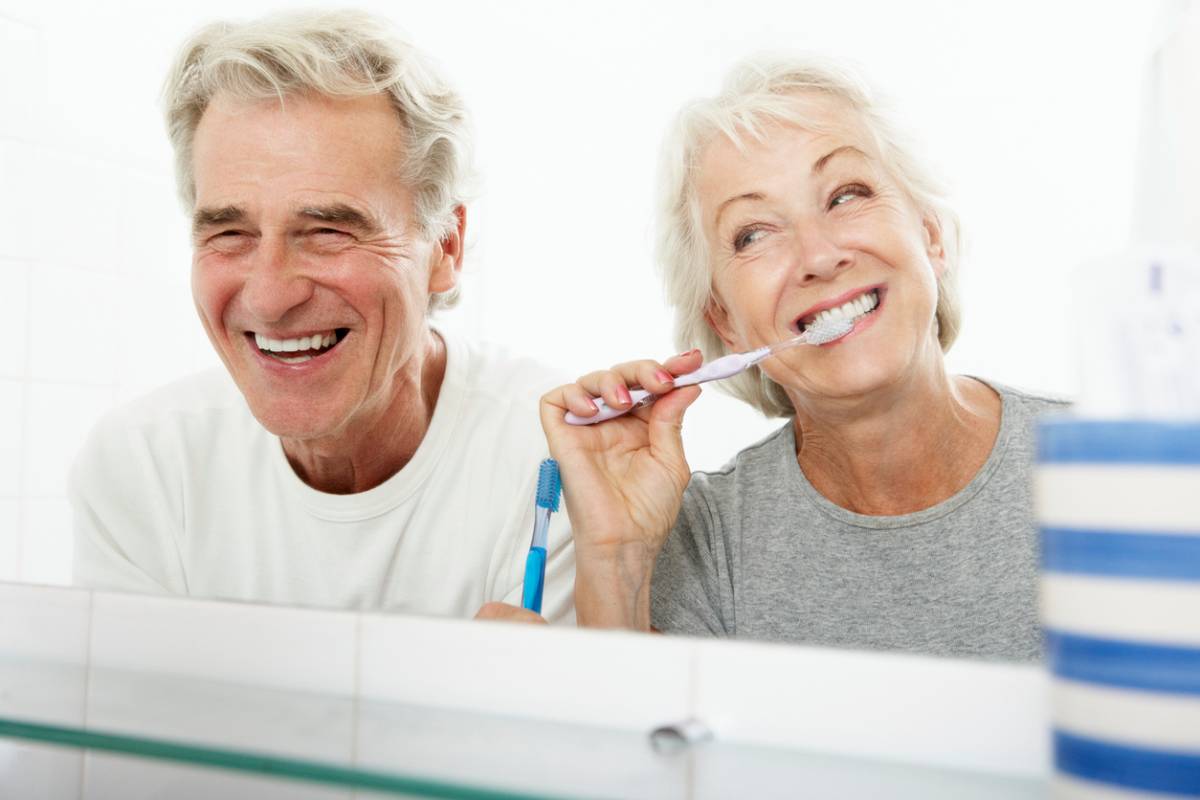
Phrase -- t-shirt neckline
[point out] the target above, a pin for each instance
(831, 509)
(401, 486)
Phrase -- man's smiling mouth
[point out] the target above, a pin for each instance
(299, 350)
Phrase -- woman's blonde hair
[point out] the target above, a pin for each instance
(336, 54)
(757, 91)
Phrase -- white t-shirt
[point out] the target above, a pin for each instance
(184, 492)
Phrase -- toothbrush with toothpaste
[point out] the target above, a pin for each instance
(826, 330)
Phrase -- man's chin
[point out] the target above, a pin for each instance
(289, 423)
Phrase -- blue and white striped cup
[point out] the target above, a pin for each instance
(1118, 505)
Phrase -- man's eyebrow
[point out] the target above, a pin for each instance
(820, 163)
(207, 217)
(341, 214)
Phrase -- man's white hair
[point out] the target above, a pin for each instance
(336, 54)
(758, 91)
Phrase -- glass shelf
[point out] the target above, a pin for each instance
(341, 747)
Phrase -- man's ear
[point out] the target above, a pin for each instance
(934, 244)
(718, 319)
(447, 256)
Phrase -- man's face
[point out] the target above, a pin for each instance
(309, 272)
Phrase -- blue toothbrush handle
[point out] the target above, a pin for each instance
(535, 579)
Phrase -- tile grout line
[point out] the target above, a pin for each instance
(689, 784)
(23, 445)
(355, 721)
(87, 686)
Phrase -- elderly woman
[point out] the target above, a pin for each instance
(892, 510)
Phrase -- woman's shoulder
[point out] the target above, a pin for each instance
(1027, 403)
(763, 459)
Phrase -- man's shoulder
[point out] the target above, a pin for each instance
(202, 398)
(179, 420)
(510, 377)
(209, 390)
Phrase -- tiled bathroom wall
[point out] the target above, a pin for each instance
(93, 292)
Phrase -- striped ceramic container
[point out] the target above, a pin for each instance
(1118, 504)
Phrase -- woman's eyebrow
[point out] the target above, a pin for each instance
(821, 162)
(721, 208)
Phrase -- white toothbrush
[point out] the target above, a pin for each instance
(724, 367)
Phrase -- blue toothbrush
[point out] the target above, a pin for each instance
(549, 487)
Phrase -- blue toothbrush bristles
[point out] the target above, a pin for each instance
(549, 486)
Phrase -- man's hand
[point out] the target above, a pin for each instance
(506, 613)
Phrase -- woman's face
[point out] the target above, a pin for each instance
(807, 222)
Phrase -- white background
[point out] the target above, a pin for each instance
(1029, 108)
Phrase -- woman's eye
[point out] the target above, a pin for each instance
(848, 193)
(747, 237)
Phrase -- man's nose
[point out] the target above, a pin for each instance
(819, 255)
(276, 282)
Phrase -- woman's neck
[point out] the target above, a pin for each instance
(905, 450)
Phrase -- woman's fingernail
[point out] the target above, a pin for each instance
(592, 403)
(688, 353)
(623, 393)
(663, 377)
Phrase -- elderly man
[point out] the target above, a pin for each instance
(360, 457)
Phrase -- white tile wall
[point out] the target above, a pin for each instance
(94, 261)
(110, 775)
(237, 642)
(18, 174)
(73, 335)
(40, 771)
(12, 415)
(57, 418)
(85, 195)
(20, 78)
(43, 679)
(46, 542)
(412, 660)
(48, 623)
(14, 311)
(940, 712)
(10, 541)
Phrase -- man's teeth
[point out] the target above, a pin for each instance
(318, 341)
(305, 347)
(863, 304)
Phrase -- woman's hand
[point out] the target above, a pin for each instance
(623, 481)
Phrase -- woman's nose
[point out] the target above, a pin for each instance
(276, 281)
(819, 256)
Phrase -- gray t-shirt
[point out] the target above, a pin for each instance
(757, 552)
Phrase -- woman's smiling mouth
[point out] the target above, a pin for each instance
(852, 310)
(298, 350)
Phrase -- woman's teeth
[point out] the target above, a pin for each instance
(312, 344)
(858, 307)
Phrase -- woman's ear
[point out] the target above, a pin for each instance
(934, 246)
(718, 319)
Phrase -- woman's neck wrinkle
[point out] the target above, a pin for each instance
(912, 455)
